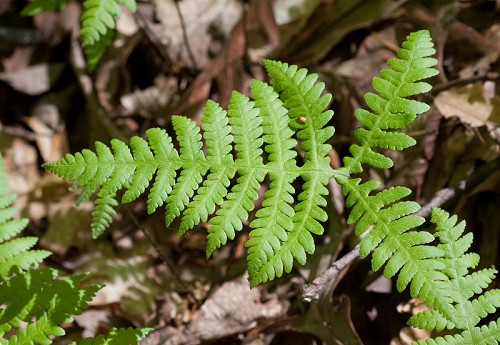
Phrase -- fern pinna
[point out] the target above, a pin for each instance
(260, 138)
(35, 301)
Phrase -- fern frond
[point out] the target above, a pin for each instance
(457, 309)
(292, 111)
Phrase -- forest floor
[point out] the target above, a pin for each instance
(169, 58)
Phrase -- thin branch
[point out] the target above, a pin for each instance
(164, 258)
(491, 76)
(184, 35)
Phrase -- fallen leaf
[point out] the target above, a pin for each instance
(34, 80)
(468, 103)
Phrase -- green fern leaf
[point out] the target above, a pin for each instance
(38, 6)
(195, 183)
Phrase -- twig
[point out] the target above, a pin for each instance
(184, 35)
(312, 291)
(164, 258)
(491, 76)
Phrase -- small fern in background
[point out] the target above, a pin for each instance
(281, 120)
(35, 301)
(98, 20)
(451, 288)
